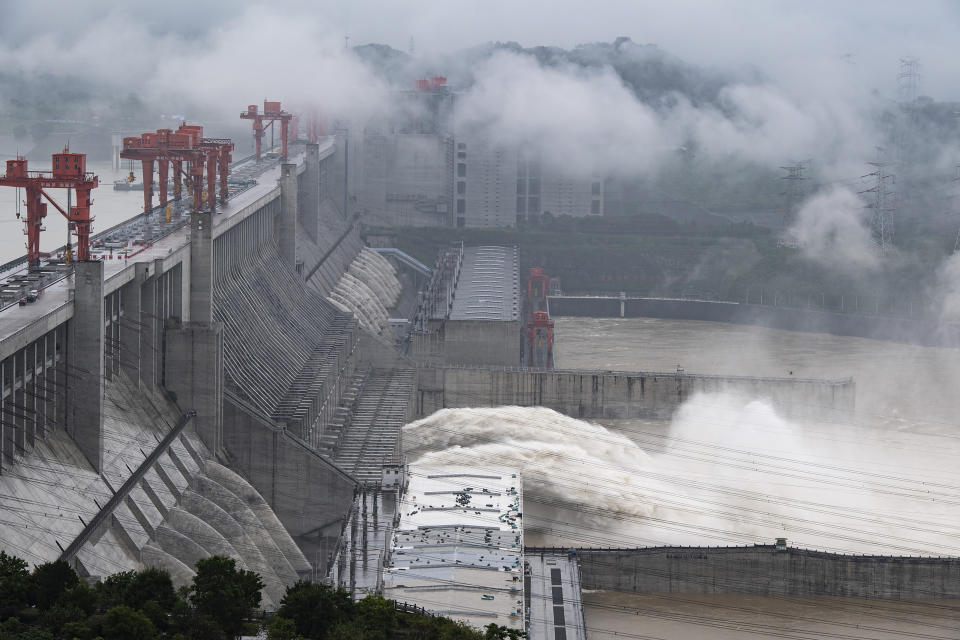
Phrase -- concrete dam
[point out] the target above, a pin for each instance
(238, 387)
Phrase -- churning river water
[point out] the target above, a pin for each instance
(732, 470)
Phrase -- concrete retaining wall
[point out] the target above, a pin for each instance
(909, 330)
(611, 394)
(762, 570)
(484, 342)
(309, 494)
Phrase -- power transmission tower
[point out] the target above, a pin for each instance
(882, 204)
(908, 80)
(908, 88)
(796, 189)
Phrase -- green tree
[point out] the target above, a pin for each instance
(151, 591)
(283, 629)
(14, 585)
(224, 593)
(376, 616)
(59, 615)
(152, 584)
(125, 623)
(50, 581)
(112, 590)
(315, 608)
(497, 632)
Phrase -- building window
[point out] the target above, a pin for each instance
(461, 170)
(461, 155)
(461, 222)
(521, 205)
(461, 145)
(461, 188)
(461, 206)
(595, 207)
(595, 189)
(533, 204)
(534, 186)
(521, 187)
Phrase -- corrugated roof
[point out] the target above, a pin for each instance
(458, 549)
(489, 285)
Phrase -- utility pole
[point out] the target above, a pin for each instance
(882, 202)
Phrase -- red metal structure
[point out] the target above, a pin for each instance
(539, 325)
(271, 113)
(540, 340)
(314, 126)
(537, 285)
(69, 172)
(186, 145)
(431, 84)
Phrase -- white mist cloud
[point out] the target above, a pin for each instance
(249, 55)
(833, 229)
(946, 294)
(587, 120)
(582, 119)
(267, 54)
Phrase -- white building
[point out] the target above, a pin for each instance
(458, 550)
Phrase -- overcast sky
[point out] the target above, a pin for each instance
(795, 40)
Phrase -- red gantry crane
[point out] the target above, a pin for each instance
(271, 113)
(69, 172)
(185, 145)
(539, 325)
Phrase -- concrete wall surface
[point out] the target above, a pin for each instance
(482, 342)
(309, 493)
(611, 394)
(762, 570)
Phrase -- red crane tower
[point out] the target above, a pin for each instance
(69, 172)
(187, 144)
(540, 340)
(539, 325)
(217, 153)
(271, 113)
(314, 125)
(537, 285)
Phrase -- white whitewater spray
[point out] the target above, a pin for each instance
(369, 287)
(379, 275)
(727, 470)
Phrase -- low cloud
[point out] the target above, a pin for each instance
(832, 228)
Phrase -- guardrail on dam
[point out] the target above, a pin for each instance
(918, 330)
(616, 394)
(765, 570)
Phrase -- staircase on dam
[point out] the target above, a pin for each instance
(366, 434)
(285, 347)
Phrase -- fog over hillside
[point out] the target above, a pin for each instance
(697, 105)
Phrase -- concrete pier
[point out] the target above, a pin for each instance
(85, 367)
(286, 228)
(201, 267)
(309, 212)
(194, 373)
